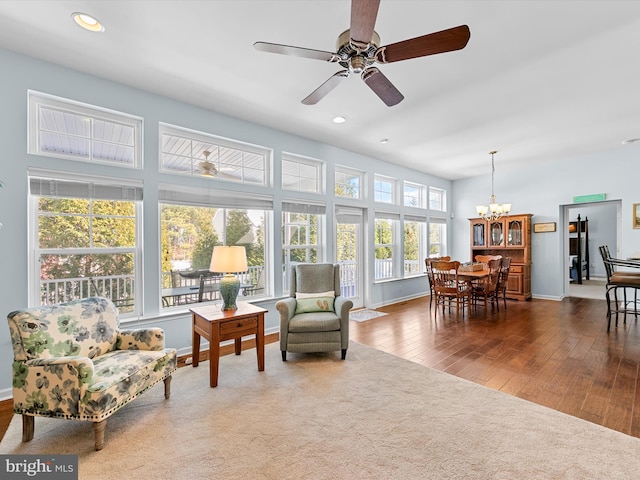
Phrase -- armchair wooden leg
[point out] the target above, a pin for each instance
(98, 428)
(27, 428)
(167, 387)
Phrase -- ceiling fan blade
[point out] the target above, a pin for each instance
(382, 87)
(320, 92)
(448, 40)
(296, 51)
(363, 20)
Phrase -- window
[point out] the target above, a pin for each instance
(386, 225)
(301, 174)
(348, 182)
(383, 190)
(86, 241)
(301, 224)
(437, 238)
(415, 244)
(187, 152)
(437, 199)
(192, 222)
(414, 195)
(65, 129)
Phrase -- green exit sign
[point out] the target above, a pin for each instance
(594, 197)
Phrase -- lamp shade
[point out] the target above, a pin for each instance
(226, 259)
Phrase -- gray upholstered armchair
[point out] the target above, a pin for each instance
(315, 318)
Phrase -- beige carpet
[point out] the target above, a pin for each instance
(373, 416)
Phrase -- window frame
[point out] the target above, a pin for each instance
(421, 194)
(422, 247)
(442, 225)
(317, 165)
(207, 141)
(293, 207)
(37, 101)
(382, 196)
(393, 245)
(442, 193)
(346, 171)
(108, 183)
(173, 195)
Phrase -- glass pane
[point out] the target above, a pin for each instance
(496, 234)
(68, 277)
(478, 235)
(515, 233)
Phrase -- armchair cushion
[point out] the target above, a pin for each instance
(314, 304)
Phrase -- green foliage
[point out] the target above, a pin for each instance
(70, 223)
(201, 258)
(383, 236)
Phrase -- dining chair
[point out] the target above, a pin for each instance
(487, 258)
(619, 280)
(428, 262)
(449, 288)
(503, 281)
(486, 288)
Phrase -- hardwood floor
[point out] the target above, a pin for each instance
(556, 354)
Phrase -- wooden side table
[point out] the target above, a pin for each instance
(217, 325)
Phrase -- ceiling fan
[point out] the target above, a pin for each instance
(357, 49)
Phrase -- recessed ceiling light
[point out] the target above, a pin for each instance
(339, 119)
(631, 140)
(384, 140)
(87, 22)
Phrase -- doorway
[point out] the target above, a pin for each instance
(349, 253)
(603, 221)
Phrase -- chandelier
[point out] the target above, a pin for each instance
(494, 210)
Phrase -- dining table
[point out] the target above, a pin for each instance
(183, 293)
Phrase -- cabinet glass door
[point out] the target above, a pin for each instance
(478, 235)
(496, 234)
(514, 233)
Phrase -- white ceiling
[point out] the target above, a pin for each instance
(538, 80)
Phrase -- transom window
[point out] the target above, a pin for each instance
(66, 129)
(187, 152)
(301, 174)
(348, 182)
(414, 195)
(383, 189)
(437, 199)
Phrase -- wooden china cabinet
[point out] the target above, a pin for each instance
(509, 236)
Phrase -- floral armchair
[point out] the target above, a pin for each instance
(71, 360)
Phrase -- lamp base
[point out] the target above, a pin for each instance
(229, 288)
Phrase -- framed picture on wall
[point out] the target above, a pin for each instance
(636, 215)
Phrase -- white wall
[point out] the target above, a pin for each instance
(542, 189)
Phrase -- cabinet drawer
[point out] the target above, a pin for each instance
(238, 325)
(516, 269)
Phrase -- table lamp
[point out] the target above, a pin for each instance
(229, 260)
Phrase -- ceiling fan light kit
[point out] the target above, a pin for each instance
(206, 167)
(358, 48)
